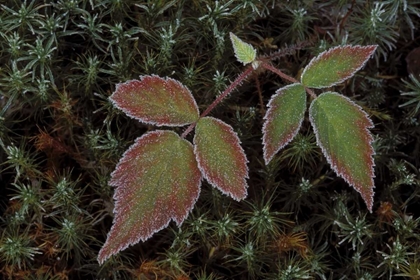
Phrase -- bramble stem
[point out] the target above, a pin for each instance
(188, 130)
(228, 90)
(286, 77)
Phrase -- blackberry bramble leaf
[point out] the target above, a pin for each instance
(342, 131)
(220, 157)
(156, 101)
(157, 180)
(283, 119)
(244, 52)
(335, 65)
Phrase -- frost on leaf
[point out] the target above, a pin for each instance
(244, 52)
(220, 157)
(156, 101)
(336, 65)
(157, 180)
(283, 119)
(341, 129)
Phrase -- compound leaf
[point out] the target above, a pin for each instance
(157, 181)
(341, 129)
(244, 52)
(220, 157)
(336, 65)
(283, 119)
(155, 100)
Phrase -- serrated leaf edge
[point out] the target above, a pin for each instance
(114, 103)
(369, 203)
(331, 50)
(264, 129)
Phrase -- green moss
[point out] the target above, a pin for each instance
(60, 138)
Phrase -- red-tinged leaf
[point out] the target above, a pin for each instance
(283, 119)
(157, 181)
(156, 101)
(336, 65)
(341, 129)
(220, 157)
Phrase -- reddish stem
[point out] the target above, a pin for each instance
(228, 90)
(188, 130)
(286, 77)
(237, 82)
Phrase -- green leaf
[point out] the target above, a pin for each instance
(244, 52)
(341, 129)
(156, 101)
(283, 119)
(220, 157)
(157, 181)
(336, 65)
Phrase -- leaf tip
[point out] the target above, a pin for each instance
(267, 156)
(371, 48)
(104, 255)
(369, 200)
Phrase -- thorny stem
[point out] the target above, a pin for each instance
(286, 77)
(228, 90)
